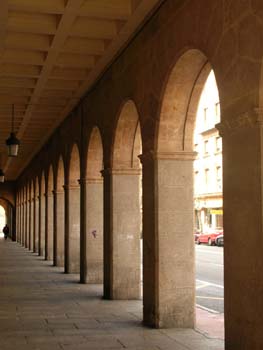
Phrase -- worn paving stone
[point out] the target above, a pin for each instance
(44, 309)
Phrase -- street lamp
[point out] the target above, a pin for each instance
(12, 142)
(2, 176)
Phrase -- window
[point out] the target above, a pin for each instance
(217, 112)
(196, 148)
(206, 146)
(219, 178)
(207, 177)
(218, 144)
(205, 115)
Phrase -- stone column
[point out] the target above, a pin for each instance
(72, 205)
(36, 224)
(49, 227)
(54, 192)
(243, 230)
(94, 231)
(42, 223)
(22, 224)
(29, 224)
(26, 223)
(32, 218)
(60, 228)
(66, 228)
(122, 233)
(18, 223)
(83, 231)
(168, 244)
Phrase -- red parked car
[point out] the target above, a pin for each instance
(208, 237)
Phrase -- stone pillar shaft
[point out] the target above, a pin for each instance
(122, 234)
(72, 195)
(60, 229)
(94, 232)
(168, 244)
(49, 227)
(42, 223)
(83, 231)
(243, 230)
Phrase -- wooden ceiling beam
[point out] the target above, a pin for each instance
(28, 41)
(118, 9)
(94, 29)
(24, 57)
(34, 23)
(79, 61)
(18, 70)
(45, 6)
(68, 73)
(84, 46)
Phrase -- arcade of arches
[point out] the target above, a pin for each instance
(121, 166)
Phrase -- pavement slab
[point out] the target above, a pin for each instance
(44, 309)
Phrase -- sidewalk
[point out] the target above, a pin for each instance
(44, 309)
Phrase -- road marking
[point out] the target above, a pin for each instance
(212, 298)
(203, 286)
(211, 284)
(207, 309)
(209, 252)
(209, 262)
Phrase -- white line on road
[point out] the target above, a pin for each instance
(211, 284)
(212, 298)
(203, 286)
(207, 309)
(209, 252)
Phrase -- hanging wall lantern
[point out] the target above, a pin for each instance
(2, 176)
(12, 142)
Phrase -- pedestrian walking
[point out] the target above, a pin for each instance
(6, 231)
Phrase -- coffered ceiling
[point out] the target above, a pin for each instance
(51, 52)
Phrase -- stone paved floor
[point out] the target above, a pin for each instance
(42, 308)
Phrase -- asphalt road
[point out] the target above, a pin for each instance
(210, 278)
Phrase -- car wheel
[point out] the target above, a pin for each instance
(209, 241)
(198, 242)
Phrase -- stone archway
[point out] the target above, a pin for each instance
(173, 269)
(125, 177)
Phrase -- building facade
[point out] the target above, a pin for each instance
(208, 195)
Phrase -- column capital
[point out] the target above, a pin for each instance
(95, 180)
(71, 187)
(124, 171)
(244, 120)
(56, 192)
